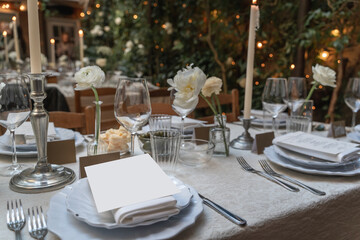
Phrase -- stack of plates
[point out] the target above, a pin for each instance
(29, 150)
(307, 164)
(75, 209)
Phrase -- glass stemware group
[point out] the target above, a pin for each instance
(352, 98)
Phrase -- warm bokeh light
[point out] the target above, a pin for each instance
(190, 20)
(163, 26)
(97, 5)
(313, 107)
(339, 61)
(156, 21)
(254, 1)
(335, 32)
(320, 86)
(257, 83)
(88, 12)
(82, 14)
(52, 41)
(5, 5)
(259, 45)
(4, 33)
(13, 18)
(271, 55)
(22, 7)
(292, 66)
(237, 16)
(263, 65)
(184, 5)
(324, 55)
(146, 3)
(81, 33)
(155, 4)
(161, 49)
(161, 65)
(233, 63)
(135, 16)
(157, 46)
(307, 75)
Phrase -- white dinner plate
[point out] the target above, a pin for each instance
(80, 203)
(4, 150)
(65, 226)
(336, 171)
(313, 162)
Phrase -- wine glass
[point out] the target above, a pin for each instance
(296, 91)
(274, 97)
(15, 108)
(132, 106)
(352, 98)
(181, 109)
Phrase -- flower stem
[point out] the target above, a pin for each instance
(312, 90)
(97, 124)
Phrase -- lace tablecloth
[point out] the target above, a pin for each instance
(271, 211)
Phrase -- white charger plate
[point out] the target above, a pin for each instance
(312, 162)
(80, 203)
(337, 171)
(4, 150)
(65, 226)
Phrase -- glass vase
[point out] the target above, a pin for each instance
(220, 136)
(96, 145)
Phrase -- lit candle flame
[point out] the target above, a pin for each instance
(14, 18)
(4, 33)
(254, 2)
(81, 33)
(52, 41)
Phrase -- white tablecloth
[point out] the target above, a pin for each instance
(271, 211)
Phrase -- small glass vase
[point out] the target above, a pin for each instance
(220, 136)
(97, 146)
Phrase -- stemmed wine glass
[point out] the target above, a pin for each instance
(352, 97)
(15, 107)
(132, 106)
(274, 97)
(182, 111)
(296, 91)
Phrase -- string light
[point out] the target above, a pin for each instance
(155, 4)
(184, 5)
(313, 107)
(237, 16)
(257, 83)
(259, 45)
(335, 32)
(263, 65)
(52, 41)
(22, 7)
(163, 26)
(135, 16)
(161, 65)
(4, 33)
(271, 55)
(97, 5)
(161, 49)
(324, 55)
(88, 12)
(190, 20)
(157, 84)
(292, 66)
(82, 14)
(307, 76)
(13, 18)
(157, 46)
(5, 5)
(320, 86)
(145, 3)
(156, 21)
(233, 63)
(339, 61)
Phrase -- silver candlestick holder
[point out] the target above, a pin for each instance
(244, 141)
(44, 177)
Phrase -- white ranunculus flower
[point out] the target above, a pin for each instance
(187, 83)
(106, 28)
(186, 104)
(88, 77)
(212, 85)
(101, 62)
(129, 44)
(118, 20)
(324, 75)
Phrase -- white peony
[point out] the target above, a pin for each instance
(129, 44)
(187, 83)
(212, 85)
(324, 75)
(117, 21)
(101, 62)
(106, 28)
(88, 77)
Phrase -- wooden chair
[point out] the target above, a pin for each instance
(225, 99)
(82, 122)
(162, 108)
(161, 92)
(106, 95)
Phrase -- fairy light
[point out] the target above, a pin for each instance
(313, 107)
(155, 4)
(257, 83)
(184, 5)
(189, 20)
(324, 55)
(320, 86)
(259, 45)
(335, 32)
(163, 26)
(271, 55)
(97, 5)
(161, 49)
(307, 76)
(156, 21)
(161, 65)
(135, 16)
(22, 7)
(157, 84)
(4, 33)
(292, 66)
(13, 18)
(145, 3)
(237, 16)
(52, 41)
(88, 12)
(157, 46)
(82, 14)
(263, 65)
(339, 61)
(233, 63)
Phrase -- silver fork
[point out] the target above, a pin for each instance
(270, 171)
(15, 217)
(248, 168)
(36, 223)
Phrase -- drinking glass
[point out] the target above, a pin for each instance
(132, 106)
(296, 90)
(181, 111)
(15, 107)
(352, 97)
(274, 97)
(159, 122)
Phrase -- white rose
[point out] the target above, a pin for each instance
(140, 46)
(88, 77)
(117, 21)
(212, 85)
(101, 62)
(324, 75)
(106, 28)
(188, 83)
(100, 33)
(129, 44)
(127, 50)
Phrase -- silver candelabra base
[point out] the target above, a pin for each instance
(245, 140)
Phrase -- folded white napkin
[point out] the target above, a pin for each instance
(26, 130)
(320, 147)
(146, 212)
(176, 122)
(259, 115)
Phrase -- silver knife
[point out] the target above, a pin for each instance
(222, 211)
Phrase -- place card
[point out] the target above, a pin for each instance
(262, 140)
(96, 159)
(128, 181)
(337, 129)
(202, 133)
(61, 152)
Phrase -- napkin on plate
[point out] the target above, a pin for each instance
(157, 209)
(316, 146)
(26, 130)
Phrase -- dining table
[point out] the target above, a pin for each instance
(271, 211)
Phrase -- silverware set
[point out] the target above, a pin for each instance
(15, 219)
(273, 176)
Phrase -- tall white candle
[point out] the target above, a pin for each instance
(254, 13)
(52, 53)
(16, 39)
(81, 46)
(34, 36)
(6, 50)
